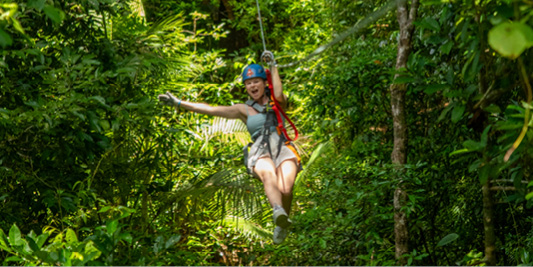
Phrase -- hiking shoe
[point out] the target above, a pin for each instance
(280, 234)
(281, 218)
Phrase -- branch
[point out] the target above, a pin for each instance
(503, 188)
(413, 11)
(506, 181)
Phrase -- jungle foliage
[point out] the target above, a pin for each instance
(93, 171)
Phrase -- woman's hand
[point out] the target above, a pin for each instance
(268, 57)
(169, 99)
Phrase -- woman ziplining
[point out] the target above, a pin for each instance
(271, 157)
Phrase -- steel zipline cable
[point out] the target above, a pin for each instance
(261, 25)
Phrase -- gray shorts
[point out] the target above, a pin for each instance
(258, 151)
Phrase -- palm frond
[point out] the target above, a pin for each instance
(225, 130)
(229, 130)
(221, 193)
(165, 33)
(137, 8)
(323, 152)
(248, 228)
(168, 25)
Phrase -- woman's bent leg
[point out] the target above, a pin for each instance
(286, 176)
(266, 170)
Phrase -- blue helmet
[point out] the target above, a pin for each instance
(252, 71)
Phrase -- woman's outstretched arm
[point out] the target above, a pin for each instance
(237, 111)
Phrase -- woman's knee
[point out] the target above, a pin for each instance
(266, 175)
(285, 190)
(265, 169)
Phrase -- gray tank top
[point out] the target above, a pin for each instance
(255, 123)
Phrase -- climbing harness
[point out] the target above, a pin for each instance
(273, 122)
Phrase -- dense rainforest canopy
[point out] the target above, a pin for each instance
(415, 132)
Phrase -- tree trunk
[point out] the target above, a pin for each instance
(488, 225)
(399, 152)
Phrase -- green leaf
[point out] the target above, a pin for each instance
(13, 258)
(112, 226)
(457, 113)
(492, 109)
(17, 26)
(5, 38)
(446, 47)
(485, 135)
(431, 23)
(433, 88)
(33, 245)
(3, 241)
(104, 209)
(104, 124)
(99, 99)
(56, 15)
(159, 244)
(37, 4)
(322, 243)
(43, 255)
(444, 113)
(510, 39)
(529, 195)
(460, 151)
(472, 145)
(126, 237)
(91, 250)
(404, 79)
(172, 240)
(71, 236)
(15, 238)
(447, 239)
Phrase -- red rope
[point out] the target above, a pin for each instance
(279, 111)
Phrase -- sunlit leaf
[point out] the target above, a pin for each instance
(3, 241)
(71, 236)
(510, 39)
(460, 151)
(15, 238)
